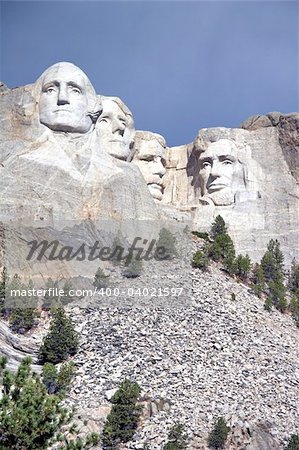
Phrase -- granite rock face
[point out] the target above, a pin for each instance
(57, 174)
(288, 131)
(69, 156)
(247, 176)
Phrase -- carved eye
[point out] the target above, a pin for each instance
(104, 119)
(206, 164)
(227, 162)
(75, 90)
(50, 90)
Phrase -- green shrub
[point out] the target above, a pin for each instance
(177, 439)
(133, 269)
(61, 341)
(22, 319)
(293, 443)
(100, 279)
(123, 418)
(201, 235)
(200, 260)
(218, 435)
(268, 304)
(30, 418)
(67, 298)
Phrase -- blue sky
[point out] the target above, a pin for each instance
(179, 66)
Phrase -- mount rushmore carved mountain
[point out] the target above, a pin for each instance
(70, 156)
(75, 171)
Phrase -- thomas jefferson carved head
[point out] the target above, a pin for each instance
(149, 156)
(116, 128)
(221, 173)
(67, 99)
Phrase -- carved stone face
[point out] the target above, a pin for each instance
(220, 172)
(150, 158)
(116, 130)
(65, 99)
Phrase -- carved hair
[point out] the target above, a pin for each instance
(145, 136)
(121, 106)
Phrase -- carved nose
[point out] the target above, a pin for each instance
(215, 170)
(63, 97)
(159, 168)
(119, 128)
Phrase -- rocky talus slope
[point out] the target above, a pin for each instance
(215, 356)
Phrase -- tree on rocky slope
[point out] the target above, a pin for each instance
(177, 439)
(62, 340)
(218, 435)
(218, 227)
(272, 262)
(123, 418)
(293, 443)
(30, 418)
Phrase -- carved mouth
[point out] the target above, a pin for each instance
(117, 140)
(216, 186)
(156, 186)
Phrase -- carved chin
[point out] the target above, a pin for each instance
(156, 191)
(118, 150)
(223, 197)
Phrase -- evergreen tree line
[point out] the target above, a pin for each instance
(32, 415)
(267, 278)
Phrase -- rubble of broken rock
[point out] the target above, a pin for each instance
(212, 356)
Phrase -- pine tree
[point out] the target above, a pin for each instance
(123, 419)
(51, 299)
(62, 340)
(272, 262)
(22, 309)
(229, 264)
(258, 279)
(221, 248)
(218, 435)
(67, 298)
(117, 250)
(200, 260)
(30, 418)
(293, 443)
(243, 266)
(293, 282)
(167, 241)
(177, 439)
(3, 284)
(218, 227)
(57, 381)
